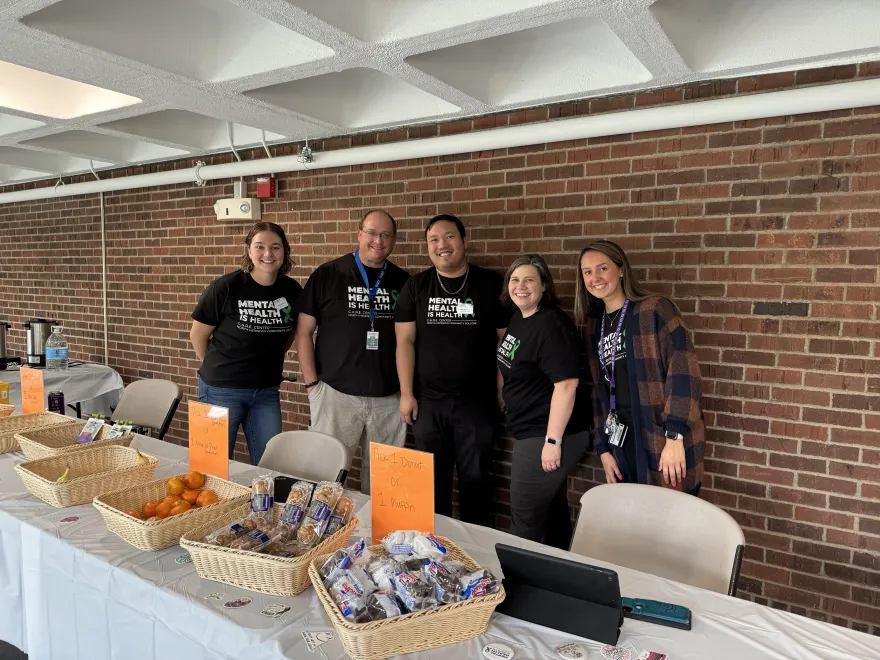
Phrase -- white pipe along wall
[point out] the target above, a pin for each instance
(805, 100)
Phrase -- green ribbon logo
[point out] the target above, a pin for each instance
(394, 295)
(287, 312)
(513, 350)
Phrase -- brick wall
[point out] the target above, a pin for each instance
(766, 233)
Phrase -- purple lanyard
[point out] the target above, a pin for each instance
(609, 369)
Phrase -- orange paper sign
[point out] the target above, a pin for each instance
(32, 398)
(209, 439)
(402, 484)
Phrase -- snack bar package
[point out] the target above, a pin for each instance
(479, 583)
(297, 502)
(342, 514)
(317, 517)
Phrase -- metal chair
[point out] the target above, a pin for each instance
(662, 532)
(151, 403)
(308, 454)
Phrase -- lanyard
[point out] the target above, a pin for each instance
(371, 290)
(609, 368)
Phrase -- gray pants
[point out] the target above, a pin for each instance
(538, 499)
(357, 421)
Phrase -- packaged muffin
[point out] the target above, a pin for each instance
(297, 502)
(228, 533)
(253, 541)
(262, 497)
(317, 517)
(342, 514)
(328, 492)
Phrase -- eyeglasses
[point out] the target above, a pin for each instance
(385, 236)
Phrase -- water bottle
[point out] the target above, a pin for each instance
(56, 350)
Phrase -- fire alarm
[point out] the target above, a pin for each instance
(266, 187)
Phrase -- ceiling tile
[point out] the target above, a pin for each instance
(38, 93)
(209, 40)
(567, 59)
(390, 20)
(45, 162)
(355, 98)
(10, 124)
(713, 35)
(104, 147)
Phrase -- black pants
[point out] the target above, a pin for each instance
(538, 499)
(460, 434)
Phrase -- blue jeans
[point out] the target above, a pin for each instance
(258, 412)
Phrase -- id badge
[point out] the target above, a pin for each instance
(465, 309)
(280, 303)
(372, 340)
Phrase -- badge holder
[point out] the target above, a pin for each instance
(565, 595)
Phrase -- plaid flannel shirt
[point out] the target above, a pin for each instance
(665, 386)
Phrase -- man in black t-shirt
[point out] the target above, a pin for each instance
(448, 322)
(349, 370)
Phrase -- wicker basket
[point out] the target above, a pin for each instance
(57, 440)
(278, 576)
(161, 534)
(409, 633)
(92, 472)
(10, 426)
(6, 410)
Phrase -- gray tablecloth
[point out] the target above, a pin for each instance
(95, 387)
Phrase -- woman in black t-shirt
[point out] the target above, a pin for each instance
(548, 409)
(242, 329)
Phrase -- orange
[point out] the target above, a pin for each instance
(176, 485)
(135, 514)
(206, 497)
(163, 509)
(171, 499)
(180, 507)
(149, 509)
(194, 480)
(190, 496)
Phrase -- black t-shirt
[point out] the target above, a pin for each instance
(252, 327)
(455, 331)
(623, 399)
(336, 296)
(536, 353)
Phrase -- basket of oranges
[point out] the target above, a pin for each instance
(77, 477)
(155, 515)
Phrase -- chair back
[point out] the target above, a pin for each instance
(307, 454)
(663, 532)
(149, 402)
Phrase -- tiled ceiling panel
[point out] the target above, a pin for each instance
(118, 82)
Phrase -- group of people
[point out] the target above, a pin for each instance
(452, 352)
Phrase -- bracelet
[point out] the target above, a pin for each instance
(312, 384)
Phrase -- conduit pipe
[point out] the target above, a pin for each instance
(822, 98)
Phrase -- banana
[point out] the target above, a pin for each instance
(141, 459)
(64, 477)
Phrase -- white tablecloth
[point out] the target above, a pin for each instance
(94, 386)
(71, 589)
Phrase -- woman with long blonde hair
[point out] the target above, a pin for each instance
(646, 378)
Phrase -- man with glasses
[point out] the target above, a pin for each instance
(349, 370)
(448, 322)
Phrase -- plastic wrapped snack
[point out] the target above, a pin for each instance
(341, 560)
(262, 497)
(413, 592)
(412, 564)
(297, 503)
(349, 596)
(382, 606)
(399, 542)
(408, 542)
(317, 517)
(341, 516)
(253, 541)
(227, 534)
(427, 545)
(446, 583)
(479, 583)
(381, 570)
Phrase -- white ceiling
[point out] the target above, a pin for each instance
(116, 82)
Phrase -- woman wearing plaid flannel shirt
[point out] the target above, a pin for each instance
(646, 378)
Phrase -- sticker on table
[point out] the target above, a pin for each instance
(183, 559)
(610, 652)
(498, 652)
(652, 655)
(69, 519)
(572, 651)
(276, 610)
(238, 602)
(316, 639)
(215, 596)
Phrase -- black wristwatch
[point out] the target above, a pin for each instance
(672, 435)
(312, 384)
(553, 441)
